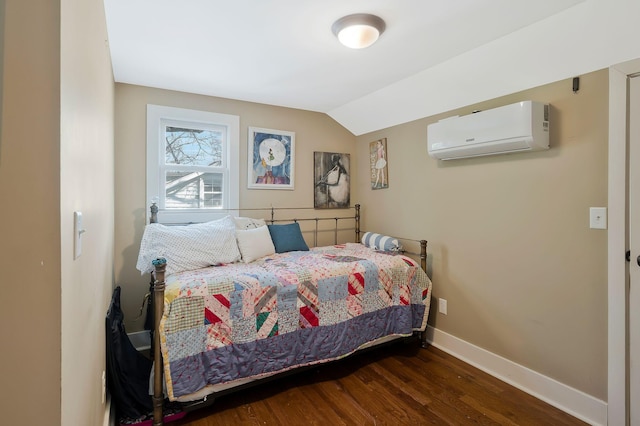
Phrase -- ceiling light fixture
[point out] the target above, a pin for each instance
(359, 30)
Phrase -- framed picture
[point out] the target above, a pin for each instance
(270, 155)
(331, 180)
(378, 163)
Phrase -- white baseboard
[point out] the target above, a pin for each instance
(570, 400)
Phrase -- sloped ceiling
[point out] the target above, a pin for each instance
(434, 56)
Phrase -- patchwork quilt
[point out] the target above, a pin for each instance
(284, 311)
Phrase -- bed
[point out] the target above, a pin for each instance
(241, 299)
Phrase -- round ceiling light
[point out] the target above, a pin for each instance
(359, 30)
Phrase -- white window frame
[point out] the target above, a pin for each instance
(157, 118)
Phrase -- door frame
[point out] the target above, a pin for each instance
(618, 362)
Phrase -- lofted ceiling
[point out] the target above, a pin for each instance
(282, 52)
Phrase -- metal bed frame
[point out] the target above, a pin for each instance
(158, 284)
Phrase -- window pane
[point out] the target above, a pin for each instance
(193, 190)
(194, 147)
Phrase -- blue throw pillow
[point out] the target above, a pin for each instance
(287, 238)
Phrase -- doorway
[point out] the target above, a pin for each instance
(634, 248)
(623, 206)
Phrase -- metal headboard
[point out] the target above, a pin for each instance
(272, 212)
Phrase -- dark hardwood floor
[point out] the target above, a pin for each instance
(400, 384)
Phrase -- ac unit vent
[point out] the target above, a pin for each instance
(523, 126)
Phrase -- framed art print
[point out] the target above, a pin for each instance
(331, 180)
(271, 159)
(378, 164)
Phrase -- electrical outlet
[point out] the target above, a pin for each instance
(104, 386)
(442, 306)
(598, 217)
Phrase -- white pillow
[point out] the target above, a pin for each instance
(255, 243)
(189, 247)
(248, 222)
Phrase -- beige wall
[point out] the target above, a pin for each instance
(509, 241)
(30, 214)
(56, 156)
(86, 176)
(313, 132)
(510, 247)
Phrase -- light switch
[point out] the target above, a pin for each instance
(77, 233)
(598, 217)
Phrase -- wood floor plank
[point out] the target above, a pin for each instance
(344, 404)
(400, 384)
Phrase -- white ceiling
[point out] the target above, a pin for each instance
(282, 52)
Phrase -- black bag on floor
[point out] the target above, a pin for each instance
(127, 370)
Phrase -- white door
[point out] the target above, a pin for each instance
(634, 245)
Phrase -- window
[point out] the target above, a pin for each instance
(192, 163)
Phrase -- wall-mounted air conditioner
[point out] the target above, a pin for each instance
(523, 126)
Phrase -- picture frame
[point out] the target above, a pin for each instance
(378, 163)
(331, 180)
(270, 159)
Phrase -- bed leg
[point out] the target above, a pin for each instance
(423, 339)
(160, 266)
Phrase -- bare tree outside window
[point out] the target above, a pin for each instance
(193, 147)
(190, 185)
